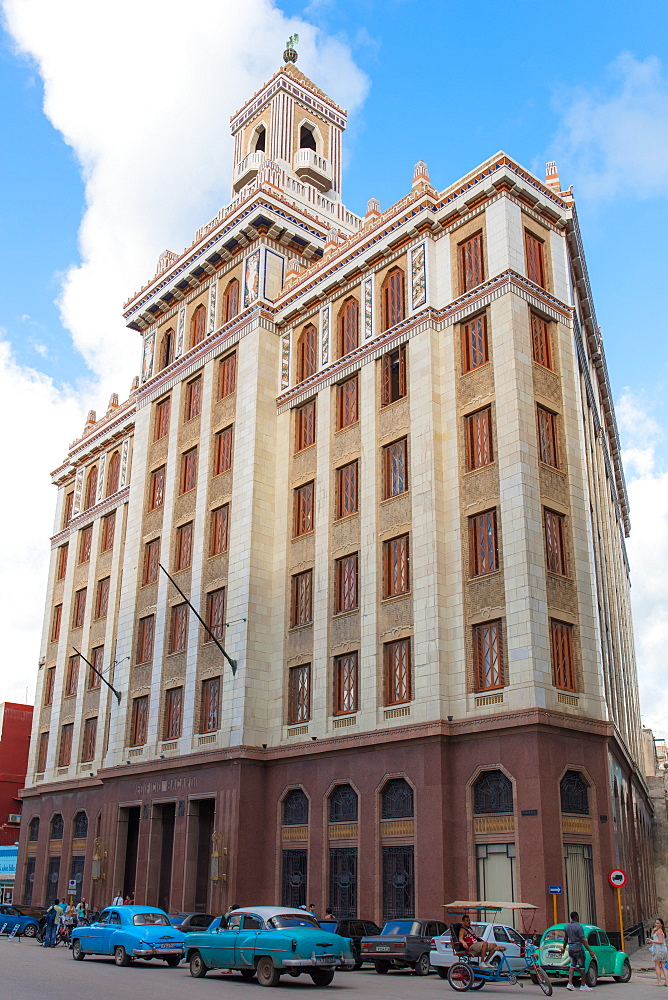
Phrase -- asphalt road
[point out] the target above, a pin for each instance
(29, 972)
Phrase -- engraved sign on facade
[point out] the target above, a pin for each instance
(123, 477)
(251, 278)
(78, 487)
(213, 293)
(418, 276)
(324, 324)
(157, 785)
(181, 331)
(368, 308)
(147, 360)
(285, 362)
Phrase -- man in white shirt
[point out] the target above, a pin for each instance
(118, 898)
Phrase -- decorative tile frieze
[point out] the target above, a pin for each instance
(324, 327)
(251, 278)
(213, 293)
(181, 332)
(100, 478)
(78, 488)
(368, 308)
(285, 361)
(125, 451)
(147, 359)
(418, 277)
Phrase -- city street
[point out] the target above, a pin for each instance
(29, 972)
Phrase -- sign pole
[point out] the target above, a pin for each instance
(621, 919)
(554, 908)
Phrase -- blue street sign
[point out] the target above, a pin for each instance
(556, 890)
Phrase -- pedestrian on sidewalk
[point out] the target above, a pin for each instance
(53, 915)
(574, 940)
(659, 951)
(118, 898)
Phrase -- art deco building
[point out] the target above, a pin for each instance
(378, 457)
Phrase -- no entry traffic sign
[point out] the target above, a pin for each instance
(617, 878)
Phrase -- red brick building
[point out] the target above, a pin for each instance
(15, 726)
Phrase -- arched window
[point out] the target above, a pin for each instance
(57, 827)
(80, 826)
(306, 353)
(231, 301)
(492, 793)
(397, 800)
(91, 489)
(33, 830)
(307, 138)
(113, 474)
(343, 805)
(392, 298)
(574, 794)
(167, 349)
(198, 326)
(260, 139)
(348, 327)
(295, 809)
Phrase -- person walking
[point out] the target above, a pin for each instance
(82, 912)
(659, 951)
(574, 940)
(118, 898)
(53, 915)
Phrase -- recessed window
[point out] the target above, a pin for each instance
(574, 794)
(209, 711)
(173, 706)
(227, 382)
(113, 474)
(222, 461)
(33, 830)
(299, 694)
(555, 545)
(393, 376)
(96, 659)
(471, 262)
(219, 530)
(193, 398)
(301, 599)
(487, 656)
(395, 558)
(535, 259)
(167, 349)
(68, 506)
(56, 622)
(178, 628)
(397, 671)
(107, 532)
(198, 326)
(162, 412)
(395, 469)
(307, 346)
(563, 660)
(349, 320)
(156, 492)
(139, 723)
(392, 298)
(303, 512)
(90, 494)
(345, 684)
(72, 676)
(540, 341)
(42, 752)
(305, 426)
(85, 542)
(231, 300)
(474, 343)
(49, 685)
(61, 561)
(151, 560)
(89, 740)
(184, 546)
(307, 138)
(145, 639)
(347, 402)
(189, 470)
(479, 450)
(483, 548)
(345, 584)
(548, 448)
(102, 598)
(79, 608)
(492, 794)
(346, 490)
(65, 750)
(215, 614)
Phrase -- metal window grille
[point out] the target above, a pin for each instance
(398, 882)
(396, 566)
(88, 748)
(492, 793)
(102, 598)
(108, 531)
(474, 335)
(139, 724)
(346, 584)
(345, 684)
(397, 800)
(346, 490)
(392, 298)
(348, 327)
(547, 437)
(397, 672)
(535, 263)
(540, 341)
(483, 543)
(80, 829)
(96, 658)
(299, 694)
(563, 665)
(56, 827)
(479, 438)
(395, 467)
(57, 619)
(67, 510)
(173, 703)
(42, 752)
(198, 326)
(471, 262)
(293, 878)
(177, 632)
(305, 426)
(65, 751)
(151, 560)
(49, 685)
(114, 474)
(189, 471)
(167, 351)
(393, 376)
(343, 881)
(28, 881)
(72, 675)
(145, 639)
(215, 613)
(61, 564)
(219, 530)
(228, 375)
(231, 304)
(157, 491)
(304, 509)
(347, 399)
(162, 412)
(295, 808)
(343, 805)
(302, 599)
(52, 877)
(76, 874)
(307, 353)
(555, 547)
(194, 398)
(210, 704)
(33, 830)
(85, 542)
(91, 489)
(223, 460)
(184, 545)
(487, 656)
(580, 882)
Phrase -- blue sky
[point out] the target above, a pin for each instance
(115, 146)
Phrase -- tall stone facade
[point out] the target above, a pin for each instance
(378, 457)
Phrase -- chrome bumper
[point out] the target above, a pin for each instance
(156, 952)
(333, 962)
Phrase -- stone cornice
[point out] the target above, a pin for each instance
(81, 520)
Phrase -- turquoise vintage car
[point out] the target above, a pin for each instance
(129, 932)
(607, 961)
(267, 942)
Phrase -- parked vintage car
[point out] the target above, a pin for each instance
(355, 930)
(402, 944)
(189, 921)
(607, 961)
(442, 956)
(10, 918)
(268, 942)
(129, 932)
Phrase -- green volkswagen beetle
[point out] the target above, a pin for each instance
(267, 942)
(607, 960)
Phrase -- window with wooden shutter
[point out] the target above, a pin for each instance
(198, 326)
(49, 684)
(162, 413)
(392, 298)
(167, 349)
(535, 260)
(395, 469)
(215, 614)
(555, 543)
(178, 628)
(173, 705)
(346, 490)
(487, 656)
(67, 509)
(483, 548)
(540, 341)
(90, 495)
(479, 448)
(307, 353)
(219, 530)
(396, 576)
(209, 710)
(347, 402)
(184, 546)
(345, 584)
(223, 452)
(108, 531)
(397, 671)
(345, 684)
(56, 622)
(72, 676)
(471, 262)
(563, 661)
(79, 608)
(145, 639)
(303, 516)
(193, 398)
(227, 381)
(348, 326)
(65, 751)
(189, 470)
(85, 544)
(156, 492)
(305, 426)
(548, 448)
(231, 300)
(102, 598)
(42, 752)
(89, 740)
(139, 723)
(113, 474)
(151, 560)
(301, 599)
(393, 376)
(474, 343)
(97, 659)
(61, 561)
(299, 694)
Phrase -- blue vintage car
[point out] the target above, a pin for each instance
(11, 918)
(129, 932)
(268, 942)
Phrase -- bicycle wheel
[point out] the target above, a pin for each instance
(460, 976)
(543, 981)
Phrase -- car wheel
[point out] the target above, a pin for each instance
(198, 969)
(30, 931)
(382, 968)
(442, 972)
(78, 954)
(460, 976)
(322, 977)
(626, 973)
(592, 975)
(422, 965)
(247, 974)
(121, 956)
(173, 961)
(266, 972)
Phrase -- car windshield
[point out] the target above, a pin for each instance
(282, 920)
(554, 935)
(401, 927)
(142, 919)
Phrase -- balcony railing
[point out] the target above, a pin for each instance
(247, 169)
(313, 169)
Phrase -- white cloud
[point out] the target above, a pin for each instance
(615, 137)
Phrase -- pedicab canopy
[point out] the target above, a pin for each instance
(478, 904)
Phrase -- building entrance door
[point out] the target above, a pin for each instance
(168, 813)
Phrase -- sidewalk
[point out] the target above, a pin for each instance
(641, 960)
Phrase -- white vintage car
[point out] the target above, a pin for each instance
(441, 955)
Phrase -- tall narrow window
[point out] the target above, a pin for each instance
(471, 262)
(307, 138)
(260, 140)
(65, 751)
(345, 684)
(393, 376)
(305, 426)
(535, 261)
(392, 298)
(348, 326)
(231, 300)
(483, 549)
(193, 398)
(215, 613)
(303, 515)
(209, 710)
(307, 346)
(178, 628)
(91, 489)
(49, 684)
(345, 584)
(61, 561)
(79, 608)
(487, 656)
(346, 490)
(301, 599)
(548, 448)
(198, 326)
(219, 530)
(347, 402)
(42, 752)
(67, 509)
(189, 470)
(85, 543)
(474, 343)
(223, 452)
(540, 341)
(555, 547)
(479, 451)
(395, 553)
(107, 532)
(97, 659)
(397, 672)
(102, 598)
(56, 622)
(173, 704)
(151, 560)
(156, 492)
(89, 738)
(167, 349)
(139, 723)
(145, 639)
(227, 381)
(184, 546)
(162, 412)
(563, 662)
(113, 474)
(299, 694)
(72, 676)
(395, 469)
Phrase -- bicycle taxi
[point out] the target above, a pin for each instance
(468, 973)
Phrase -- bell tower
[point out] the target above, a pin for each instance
(290, 133)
